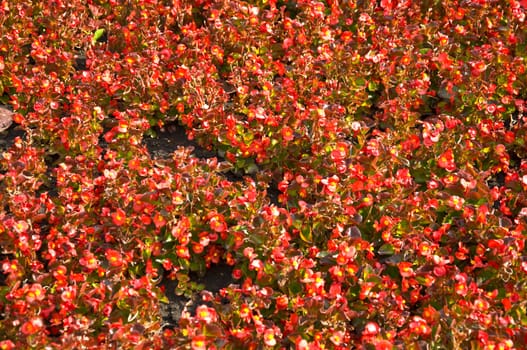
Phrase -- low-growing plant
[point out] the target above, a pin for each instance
(368, 190)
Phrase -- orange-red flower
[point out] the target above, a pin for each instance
(269, 337)
(35, 293)
(119, 217)
(32, 326)
(206, 314)
(405, 269)
(217, 223)
(199, 342)
(446, 160)
(114, 258)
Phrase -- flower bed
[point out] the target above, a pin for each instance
(368, 190)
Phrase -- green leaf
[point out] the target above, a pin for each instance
(163, 298)
(386, 249)
(306, 236)
(360, 82)
(97, 35)
(420, 175)
(392, 271)
(294, 287)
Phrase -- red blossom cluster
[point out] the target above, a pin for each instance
(392, 131)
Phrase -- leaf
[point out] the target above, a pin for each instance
(97, 35)
(360, 82)
(294, 287)
(163, 298)
(212, 331)
(392, 271)
(386, 249)
(420, 175)
(306, 235)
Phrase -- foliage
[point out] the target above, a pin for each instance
(393, 131)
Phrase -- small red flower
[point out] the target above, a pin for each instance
(114, 258)
(183, 252)
(419, 325)
(337, 338)
(456, 202)
(89, 260)
(340, 152)
(32, 326)
(199, 342)
(287, 134)
(35, 293)
(119, 217)
(206, 314)
(269, 337)
(245, 312)
(197, 248)
(405, 269)
(21, 226)
(217, 223)
(69, 294)
(237, 274)
(159, 220)
(371, 329)
(446, 160)
(7, 345)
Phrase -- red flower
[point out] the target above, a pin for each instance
(245, 312)
(419, 325)
(217, 223)
(35, 293)
(371, 329)
(337, 338)
(237, 274)
(340, 152)
(478, 68)
(159, 220)
(6, 345)
(68, 295)
(446, 160)
(405, 269)
(330, 184)
(114, 257)
(269, 337)
(287, 134)
(183, 252)
(21, 226)
(199, 342)
(197, 248)
(206, 314)
(32, 326)
(89, 260)
(456, 202)
(119, 217)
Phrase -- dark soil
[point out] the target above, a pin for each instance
(216, 277)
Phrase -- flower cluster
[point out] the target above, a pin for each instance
(381, 148)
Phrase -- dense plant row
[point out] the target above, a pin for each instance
(393, 131)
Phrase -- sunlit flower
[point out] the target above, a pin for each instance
(32, 326)
(114, 258)
(119, 217)
(199, 342)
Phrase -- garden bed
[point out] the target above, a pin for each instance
(263, 174)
